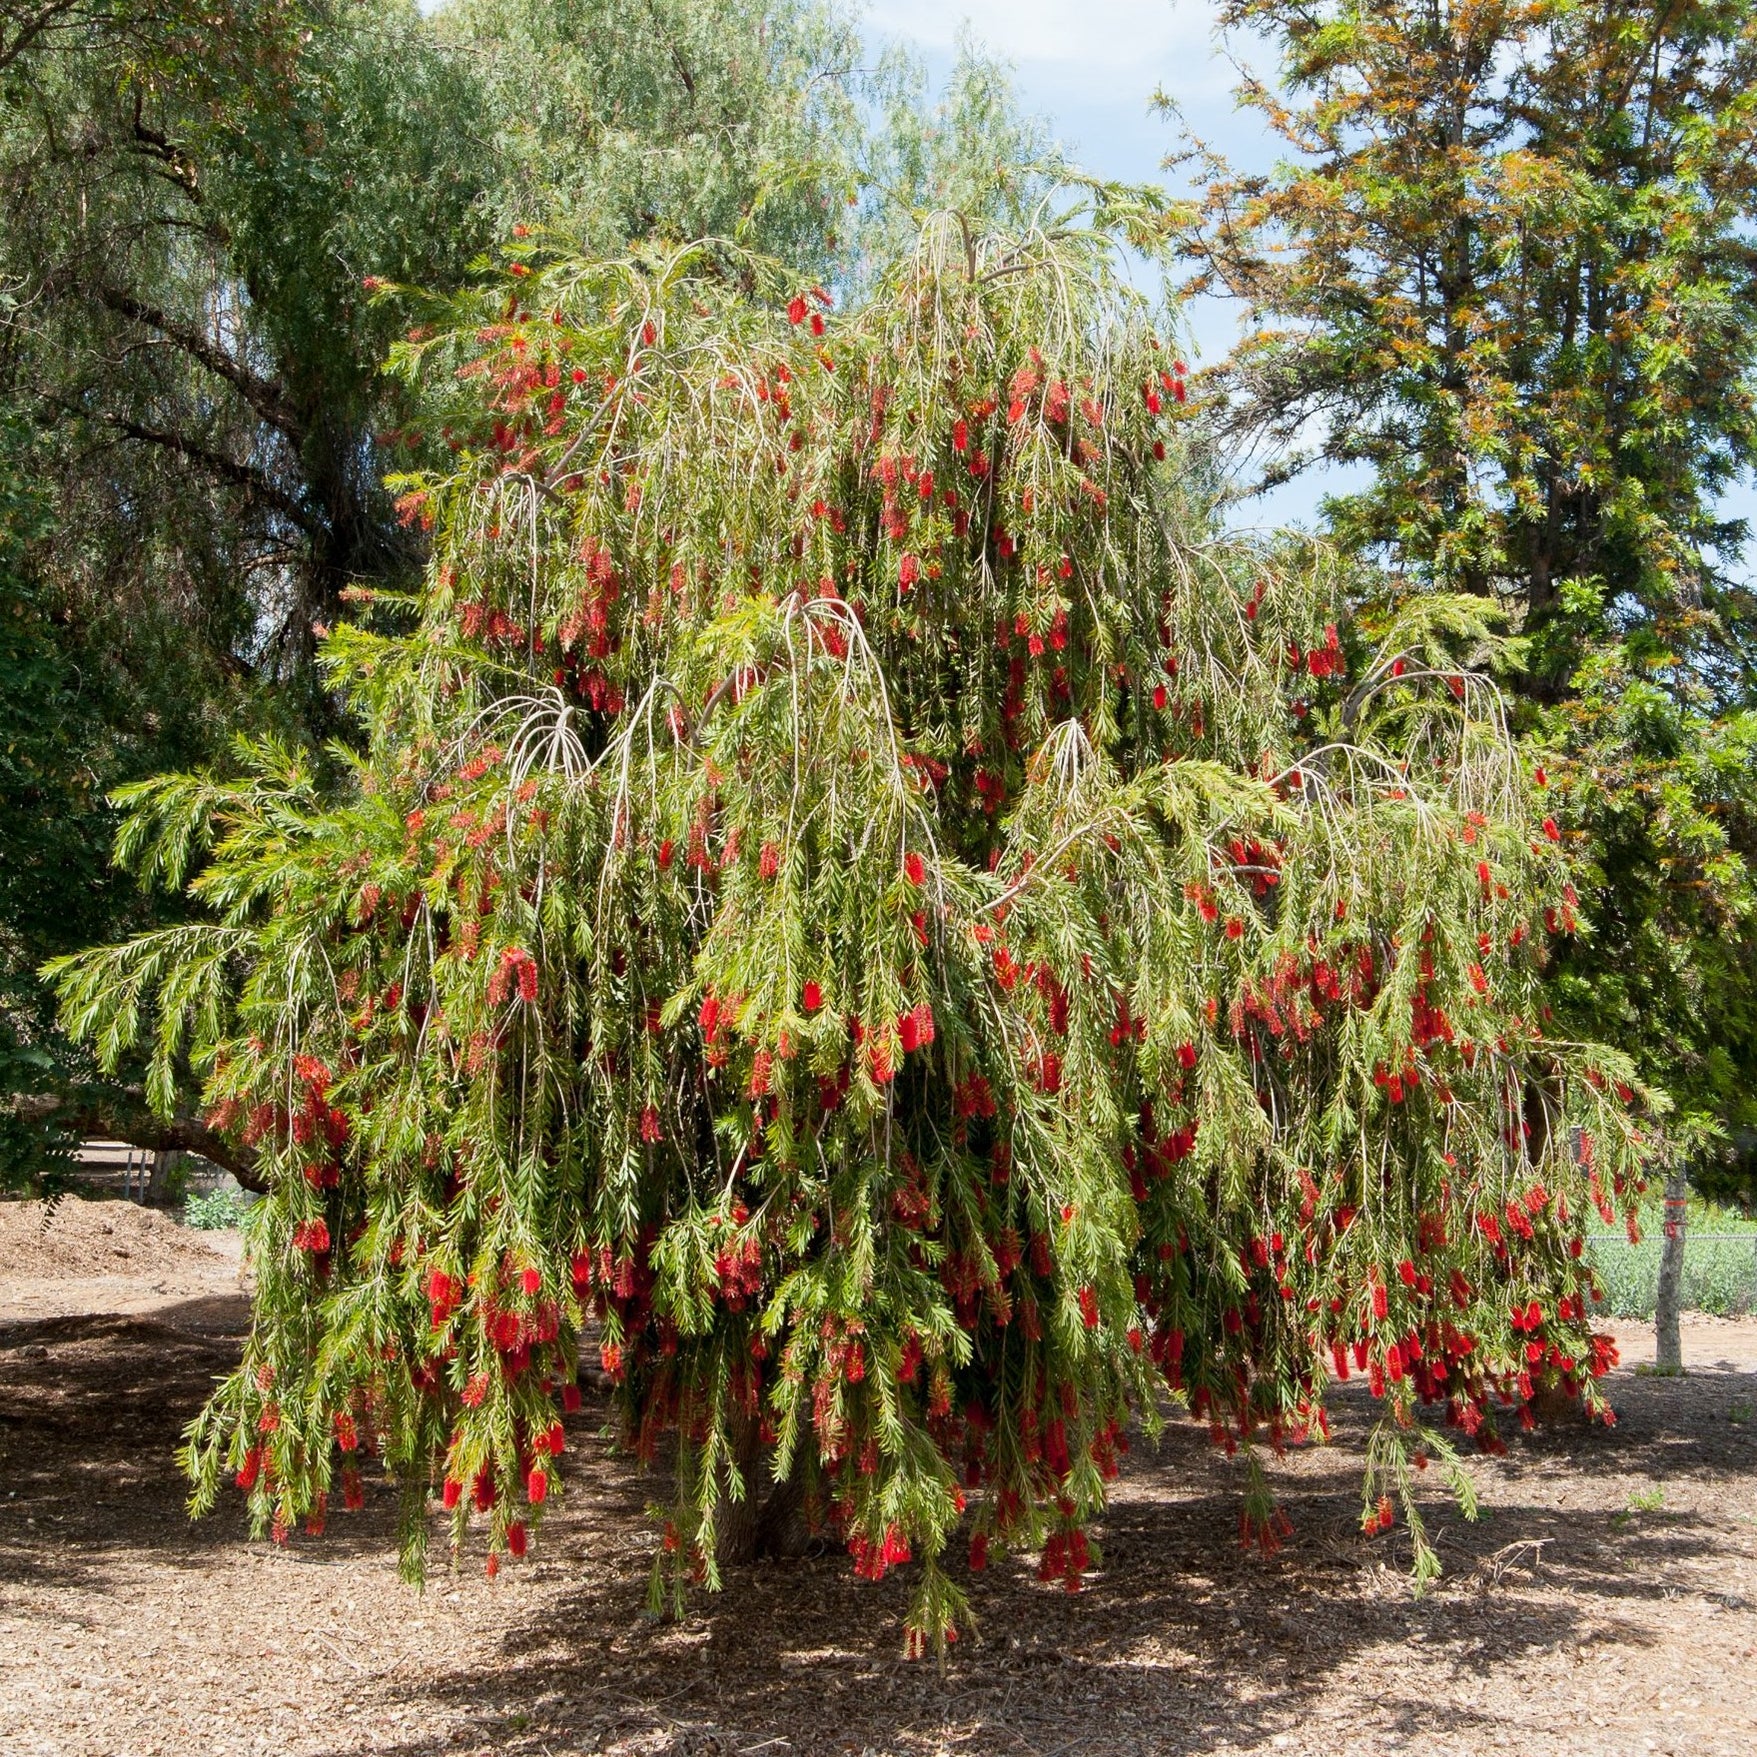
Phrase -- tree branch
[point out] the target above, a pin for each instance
(32, 28)
(123, 1115)
(216, 464)
(265, 397)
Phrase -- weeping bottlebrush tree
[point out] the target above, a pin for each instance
(862, 909)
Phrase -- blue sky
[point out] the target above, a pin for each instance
(1090, 69)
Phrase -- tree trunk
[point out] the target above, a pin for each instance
(158, 1188)
(1669, 1346)
(769, 1522)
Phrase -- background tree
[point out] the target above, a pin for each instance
(1507, 265)
(194, 199)
(191, 198)
(675, 118)
(860, 903)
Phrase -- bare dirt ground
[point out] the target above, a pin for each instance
(1605, 1603)
(82, 1257)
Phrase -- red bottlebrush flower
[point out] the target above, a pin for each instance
(537, 1486)
(1541, 778)
(817, 323)
(761, 1071)
(909, 1361)
(769, 861)
(879, 1057)
(521, 269)
(812, 996)
(570, 1397)
(796, 309)
(515, 1537)
(491, 1567)
(709, 1015)
(914, 868)
(452, 1493)
(1381, 1301)
(978, 1552)
(667, 849)
(1186, 1056)
(1550, 830)
(908, 571)
(1235, 927)
(531, 1280)
(960, 436)
(651, 1131)
(1089, 1308)
(1406, 1273)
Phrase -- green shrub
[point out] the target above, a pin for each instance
(217, 1211)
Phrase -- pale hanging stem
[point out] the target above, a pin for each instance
(622, 749)
(837, 611)
(1483, 705)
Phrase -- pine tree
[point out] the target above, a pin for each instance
(862, 906)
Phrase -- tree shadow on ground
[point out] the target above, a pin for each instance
(92, 1411)
(1181, 1643)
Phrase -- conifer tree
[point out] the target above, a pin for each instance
(862, 908)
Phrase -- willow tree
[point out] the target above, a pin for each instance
(862, 908)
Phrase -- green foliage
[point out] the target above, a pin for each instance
(1507, 265)
(677, 119)
(861, 904)
(73, 720)
(216, 1211)
(1664, 797)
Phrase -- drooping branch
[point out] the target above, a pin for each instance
(216, 464)
(265, 398)
(122, 1114)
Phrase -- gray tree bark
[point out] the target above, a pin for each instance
(1668, 1342)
